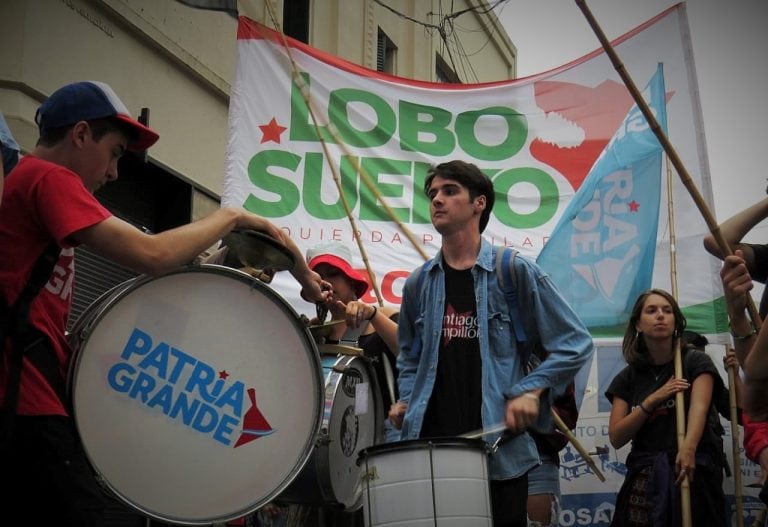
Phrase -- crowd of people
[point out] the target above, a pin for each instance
(460, 354)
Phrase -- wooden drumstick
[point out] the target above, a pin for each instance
(577, 445)
(390, 378)
(560, 426)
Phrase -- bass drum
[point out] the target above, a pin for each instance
(196, 393)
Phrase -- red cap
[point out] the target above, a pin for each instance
(339, 256)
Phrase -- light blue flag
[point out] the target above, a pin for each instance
(601, 253)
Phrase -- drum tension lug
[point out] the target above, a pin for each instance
(323, 438)
(369, 475)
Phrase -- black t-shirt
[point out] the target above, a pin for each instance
(455, 405)
(659, 432)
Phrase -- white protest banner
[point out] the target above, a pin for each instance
(536, 137)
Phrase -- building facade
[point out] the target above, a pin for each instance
(172, 64)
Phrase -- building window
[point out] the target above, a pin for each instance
(296, 19)
(444, 73)
(386, 54)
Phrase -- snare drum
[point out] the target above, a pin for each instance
(352, 421)
(196, 393)
(420, 483)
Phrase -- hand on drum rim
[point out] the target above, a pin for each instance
(260, 250)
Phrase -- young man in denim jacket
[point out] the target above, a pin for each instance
(460, 368)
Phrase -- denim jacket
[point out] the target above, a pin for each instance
(547, 317)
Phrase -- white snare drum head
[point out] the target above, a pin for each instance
(196, 394)
(442, 481)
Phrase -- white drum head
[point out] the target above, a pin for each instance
(197, 394)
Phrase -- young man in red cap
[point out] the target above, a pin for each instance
(49, 208)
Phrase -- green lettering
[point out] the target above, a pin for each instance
(287, 192)
(420, 212)
(370, 208)
(517, 132)
(548, 197)
(342, 106)
(312, 188)
(302, 127)
(425, 129)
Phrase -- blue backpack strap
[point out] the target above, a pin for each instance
(505, 274)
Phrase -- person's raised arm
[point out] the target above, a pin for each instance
(154, 254)
(735, 228)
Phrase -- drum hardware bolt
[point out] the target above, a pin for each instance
(369, 475)
(323, 438)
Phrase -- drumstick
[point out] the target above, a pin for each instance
(390, 378)
(485, 431)
(560, 426)
(575, 442)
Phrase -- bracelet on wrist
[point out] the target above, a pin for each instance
(375, 310)
(644, 409)
(533, 396)
(751, 333)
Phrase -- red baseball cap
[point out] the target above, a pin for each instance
(339, 256)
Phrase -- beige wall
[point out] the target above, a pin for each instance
(178, 61)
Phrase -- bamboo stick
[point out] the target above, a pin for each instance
(575, 442)
(735, 445)
(364, 176)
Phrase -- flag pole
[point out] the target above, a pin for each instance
(685, 485)
(709, 218)
(672, 156)
(304, 89)
(735, 444)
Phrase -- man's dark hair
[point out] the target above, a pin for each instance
(99, 127)
(470, 176)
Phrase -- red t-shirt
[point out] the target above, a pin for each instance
(42, 201)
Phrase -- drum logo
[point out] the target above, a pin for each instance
(349, 431)
(349, 380)
(187, 390)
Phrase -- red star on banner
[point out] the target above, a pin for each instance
(634, 206)
(223, 374)
(271, 131)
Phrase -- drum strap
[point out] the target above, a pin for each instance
(14, 323)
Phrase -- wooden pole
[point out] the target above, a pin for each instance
(685, 486)
(686, 179)
(365, 178)
(735, 445)
(575, 442)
